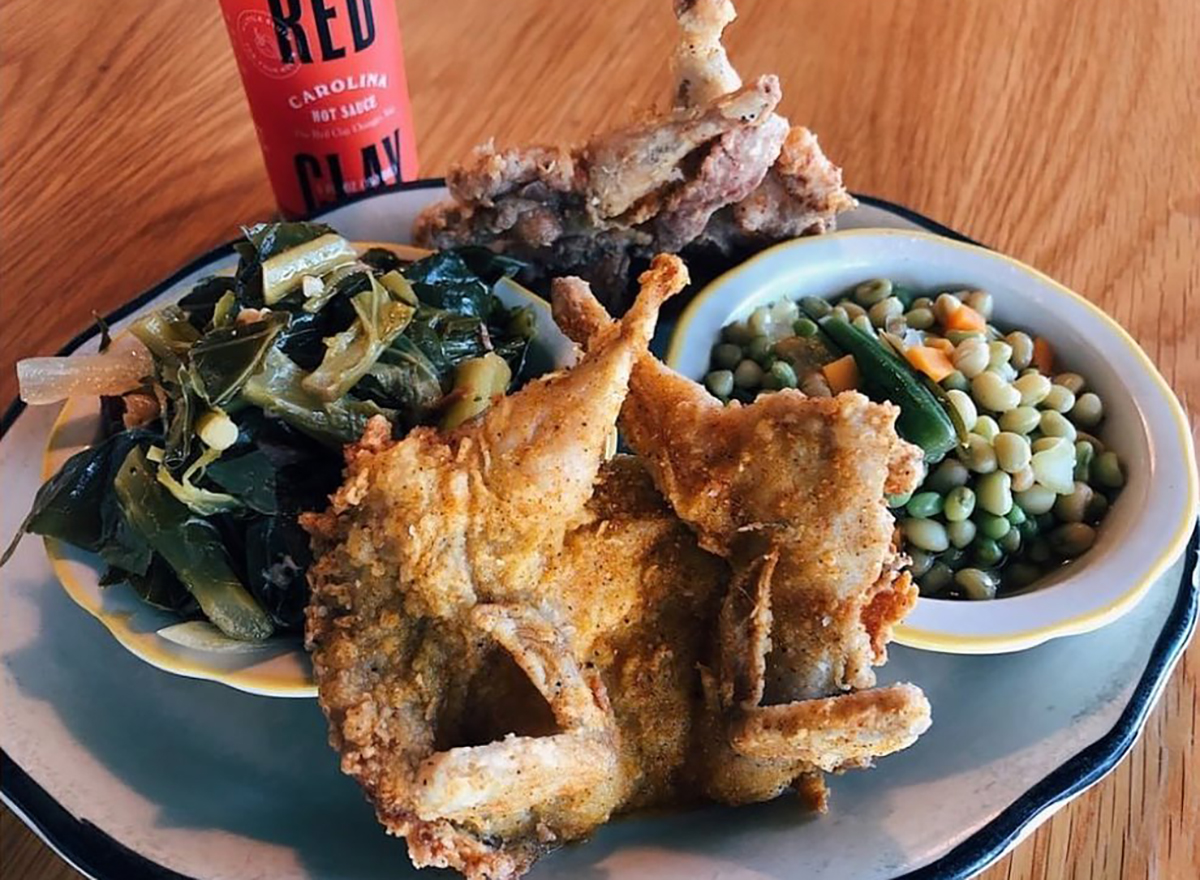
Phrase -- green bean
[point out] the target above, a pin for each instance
(784, 374)
(870, 292)
(1107, 471)
(981, 301)
(1072, 539)
(978, 455)
(1072, 508)
(925, 534)
(1016, 516)
(884, 309)
(748, 375)
(1059, 398)
(1088, 410)
(936, 579)
(994, 493)
(1021, 420)
(737, 333)
(1084, 453)
(1022, 349)
(804, 327)
(956, 381)
(1073, 382)
(976, 584)
(994, 393)
(947, 475)
(924, 504)
(961, 532)
(719, 383)
(1037, 499)
(759, 350)
(920, 562)
(992, 526)
(959, 504)
(1033, 388)
(919, 319)
(1011, 542)
(1012, 451)
(726, 355)
(962, 402)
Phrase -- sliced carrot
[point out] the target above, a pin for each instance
(966, 318)
(941, 343)
(1043, 355)
(933, 362)
(842, 374)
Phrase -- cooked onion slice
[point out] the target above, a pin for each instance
(51, 379)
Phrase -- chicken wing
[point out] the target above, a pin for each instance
(791, 491)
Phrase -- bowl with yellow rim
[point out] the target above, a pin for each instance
(278, 667)
(1148, 525)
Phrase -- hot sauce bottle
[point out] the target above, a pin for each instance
(326, 87)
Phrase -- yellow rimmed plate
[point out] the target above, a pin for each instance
(278, 667)
(1149, 524)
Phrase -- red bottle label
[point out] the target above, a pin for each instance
(326, 87)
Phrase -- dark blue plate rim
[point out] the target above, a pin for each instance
(96, 854)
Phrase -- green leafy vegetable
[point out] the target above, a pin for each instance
(193, 549)
(250, 478)
(223, 359)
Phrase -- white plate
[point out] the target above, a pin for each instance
(1151, 519)
(133, 773)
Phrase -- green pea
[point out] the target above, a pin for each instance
(956, 381)
(1072, 508)
(737, 333)
(1106, 470)
(937, 579)
(1016, 516)
(726, 355)
(960, 503)
(992, 526)
(950, 473)
(759, 350)
(804, 328)
(924, 504)
(1072, 539)
(920, 562)
(961, 532)
(784, 374)
(1088, 410)
(994, 492)
(719, 383)
(919, 319)
(870, 292)
(976, 584)
(1084, 453)
(925, 534)
(1011, 542)
(748, 375)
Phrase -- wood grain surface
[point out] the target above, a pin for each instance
(1064, 133)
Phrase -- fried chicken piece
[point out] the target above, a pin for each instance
(716, 170)
(431, 560)
(791, 491)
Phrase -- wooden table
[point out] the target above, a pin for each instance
(1066, 134)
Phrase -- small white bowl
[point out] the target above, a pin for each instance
(1149, 523)
(278, 667)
